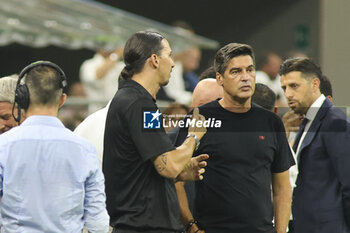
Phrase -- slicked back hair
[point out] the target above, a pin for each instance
(138, 48)
(306, 66)
(226, 53)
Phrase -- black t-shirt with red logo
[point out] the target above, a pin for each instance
(235, 194)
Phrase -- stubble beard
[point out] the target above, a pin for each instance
(300, 109)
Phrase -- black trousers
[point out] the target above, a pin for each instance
(291, 226)
(143, 231)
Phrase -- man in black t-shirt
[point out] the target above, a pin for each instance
(248, 151)
(140, 163)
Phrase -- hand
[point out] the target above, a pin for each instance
(198, 128)
(291, 121)
(194, 169)
(195, 229)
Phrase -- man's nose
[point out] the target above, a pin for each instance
(288, 93)
(245, 76)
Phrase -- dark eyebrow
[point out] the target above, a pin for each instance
(235, 68)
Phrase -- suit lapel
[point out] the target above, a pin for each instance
(299, 134)
(310, 134)
(315, 125)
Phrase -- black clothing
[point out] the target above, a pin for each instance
(162, 95)
(189, 186)
(138, 198)
(119, 230)
(235, 194)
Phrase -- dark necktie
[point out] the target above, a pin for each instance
(299, 134)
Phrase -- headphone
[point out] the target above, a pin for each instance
(22, 91)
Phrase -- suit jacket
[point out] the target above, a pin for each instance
(321, 199)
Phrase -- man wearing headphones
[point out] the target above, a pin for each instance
(50, 179)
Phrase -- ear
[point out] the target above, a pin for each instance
(330, 98)
(63, 100)
(154, 60)
(316, 84)
(219, 79)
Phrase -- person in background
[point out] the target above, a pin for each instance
(172, 114)
(208, 73)
(71, 115)
(183, 78)
(92, 128)
(206, 91)
(99, 76)
(189, 59)
(267, 73)
(7, 97)
(264, 97)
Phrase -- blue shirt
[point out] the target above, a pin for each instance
(191, 80)
(50, 180)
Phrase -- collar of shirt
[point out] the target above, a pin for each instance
(311, 113)
(136, 85)
(43, 120)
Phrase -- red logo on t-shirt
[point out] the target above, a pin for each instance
(261, 137)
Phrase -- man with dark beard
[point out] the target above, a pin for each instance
(321, 198)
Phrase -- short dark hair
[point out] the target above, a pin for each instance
(208, 73)
(226, 53)
(44, 84)
(264, 96)
(138, 48)
(326, 86)
(302, 64)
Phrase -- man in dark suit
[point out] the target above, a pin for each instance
(321, 200)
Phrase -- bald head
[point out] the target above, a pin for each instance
(206, 91)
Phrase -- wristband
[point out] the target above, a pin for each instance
(190, 224)
(196, 139)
